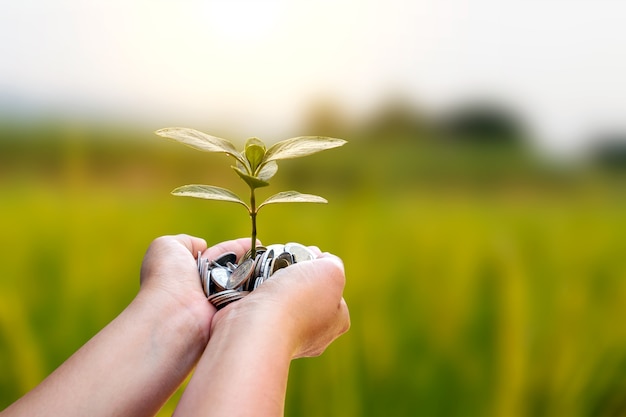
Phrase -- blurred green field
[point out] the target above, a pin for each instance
(472, 292)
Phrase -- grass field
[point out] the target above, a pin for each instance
(465, 300)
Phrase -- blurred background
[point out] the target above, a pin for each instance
(478, 206)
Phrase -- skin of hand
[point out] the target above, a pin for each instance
(169, 272)
(134, 364)
(296, 313)
(308, 298)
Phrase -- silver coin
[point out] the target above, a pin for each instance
(267, 268)
(223, 295)
(220, 297)
(200, 267)
(282, 261)
(204, 271)
(258, 263)
(223, 298)
(268, 265)
(249, 286)
(269, 254)
(224, 282)
(207, 287)
(225, 258)
(200, 264)
(220, 276)
(300, 252)
(277, 247)
(241, 274)
(258, 281)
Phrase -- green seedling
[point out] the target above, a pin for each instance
(256, 165)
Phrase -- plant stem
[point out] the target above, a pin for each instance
(253, 212)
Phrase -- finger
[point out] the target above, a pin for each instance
(239, 246)
(345, 316)
(192, 243)
(334, 259)
(316, 250)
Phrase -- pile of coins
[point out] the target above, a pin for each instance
(224, 281)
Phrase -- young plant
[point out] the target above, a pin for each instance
(256, 165)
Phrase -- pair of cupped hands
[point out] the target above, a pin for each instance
(304, 301)
(137, 361)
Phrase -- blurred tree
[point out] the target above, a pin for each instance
(609, 152)
(483, 123)
(399, 122)
(325, 118)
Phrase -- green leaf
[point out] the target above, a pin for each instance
(253, 182)
(292, 197)
(300, 146)
(268, 170)
(254, 151)
(201, 141)
(244, 168)
(208, 192)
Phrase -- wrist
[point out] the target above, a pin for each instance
(180, 327)
(263, 322)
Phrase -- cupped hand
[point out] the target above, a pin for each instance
(169, 273)
(304, 303)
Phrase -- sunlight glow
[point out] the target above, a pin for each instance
(239, 21)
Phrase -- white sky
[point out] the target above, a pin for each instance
(259, 63)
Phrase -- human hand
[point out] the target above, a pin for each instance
(169, 275)
(298, 312)
(303, 302)
(136, 362)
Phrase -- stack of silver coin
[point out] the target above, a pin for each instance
(224, 281)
